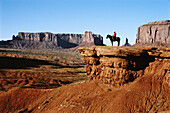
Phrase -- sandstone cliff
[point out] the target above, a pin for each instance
(154, 32)
(120, 65)
(88, 37)
(47, 40)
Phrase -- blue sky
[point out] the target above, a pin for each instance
(77, 16)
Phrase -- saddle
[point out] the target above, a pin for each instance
(113, 37)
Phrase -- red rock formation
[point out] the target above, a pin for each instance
(119, 65)
(47, 40)
(87, 37)
(154, 33)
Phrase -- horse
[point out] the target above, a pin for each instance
(112, 39)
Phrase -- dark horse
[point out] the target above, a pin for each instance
(112, 39)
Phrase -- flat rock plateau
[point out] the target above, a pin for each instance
(115, 79)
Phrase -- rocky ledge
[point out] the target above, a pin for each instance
(120, 65)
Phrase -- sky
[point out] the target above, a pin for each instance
(77, 16)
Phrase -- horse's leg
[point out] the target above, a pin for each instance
(118, 43)
(112, 43)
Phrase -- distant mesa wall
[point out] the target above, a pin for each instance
(88, 37)
(154, 32)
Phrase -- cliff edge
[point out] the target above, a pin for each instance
(120, 65)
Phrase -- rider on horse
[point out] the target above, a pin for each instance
(114, 38)
(114, 35)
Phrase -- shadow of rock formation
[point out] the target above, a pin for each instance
(20, 63)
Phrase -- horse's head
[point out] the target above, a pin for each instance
(107, 36)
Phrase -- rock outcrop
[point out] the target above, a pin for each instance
(154, 32)
(126, 43)
(120, 65)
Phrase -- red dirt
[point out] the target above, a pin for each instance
(149, 93)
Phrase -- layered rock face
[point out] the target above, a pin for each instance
(59, 38)
(154, 32)
(119, 65)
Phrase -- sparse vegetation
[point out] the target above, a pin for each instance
(47, 69)
(108, 90)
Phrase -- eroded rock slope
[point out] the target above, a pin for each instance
(119, 65)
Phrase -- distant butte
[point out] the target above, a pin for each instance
(154, 34)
